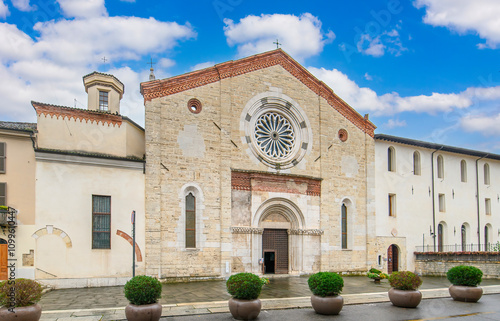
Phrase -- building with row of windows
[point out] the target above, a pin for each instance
(251, 165)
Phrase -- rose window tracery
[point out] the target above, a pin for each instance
(274, 134)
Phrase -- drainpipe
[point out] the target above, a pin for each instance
(477, 201)
(433, 200)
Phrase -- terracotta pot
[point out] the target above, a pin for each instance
(244, 309)
(465, 293)
(405, 298)
(329, 305)
(147, 312)
(31, 313)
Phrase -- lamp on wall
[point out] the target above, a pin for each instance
(430, 230)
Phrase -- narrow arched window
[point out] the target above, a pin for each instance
(464, 237)
(416, 163)
(486, 238)
(440, 237)
(391, 159)
(440, 166)
(463, 170)
(190, 221)
(344, 226)
(486, 174)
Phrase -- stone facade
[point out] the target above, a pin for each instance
(238, 194)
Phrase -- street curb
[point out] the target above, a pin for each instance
(199, 308)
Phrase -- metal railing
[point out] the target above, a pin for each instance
(488, 247)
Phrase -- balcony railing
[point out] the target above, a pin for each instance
(488, 247)
(8, 216)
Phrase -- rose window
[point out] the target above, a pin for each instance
(274, 135)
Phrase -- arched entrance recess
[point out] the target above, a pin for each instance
(392, 258)
(280, 245)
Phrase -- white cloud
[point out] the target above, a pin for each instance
(128, 38)
(49, 68)
(203, 65)
(486, 124)
(300, 36)
(368, 76)
(366, 99)
(377, 46)
(166, 63)
(393, 123)
(462, 16)
(4, 10)
(371, 47)
(82, 8)
(22, 5)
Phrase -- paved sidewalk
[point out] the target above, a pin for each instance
(203, 298)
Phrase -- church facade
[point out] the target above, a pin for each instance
(254, 165)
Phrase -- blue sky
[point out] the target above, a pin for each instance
(422, 69)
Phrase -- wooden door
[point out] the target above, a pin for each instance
(4, 272)
(392, 259)
(276, 240)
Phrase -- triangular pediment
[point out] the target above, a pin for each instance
(161, 88)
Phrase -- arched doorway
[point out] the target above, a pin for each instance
(392, 258)
(4, 273)
(281, 245)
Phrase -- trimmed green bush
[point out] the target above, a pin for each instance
(245, 286)
(142, 289)
(375, 271)
(405, 280)
(465, 275)
(27, 292)
(325, 284)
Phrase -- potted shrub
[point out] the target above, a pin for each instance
(143, 293)
(465, 280)
(376, 275)
(326, 287)
(403, 292)
(19, 300)
(245, 290)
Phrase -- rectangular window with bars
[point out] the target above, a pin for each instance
(3, 154)
(3, 194)
(103, 100)
(101, 222)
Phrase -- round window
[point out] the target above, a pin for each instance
(194, 106)
(276, 130)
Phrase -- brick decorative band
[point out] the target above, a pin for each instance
(268, 182)
(127, 237)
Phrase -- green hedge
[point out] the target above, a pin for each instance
(325, 284)
(465, 275)
(405, 280)
(142, 289)
(27, 292)
(244, 286)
